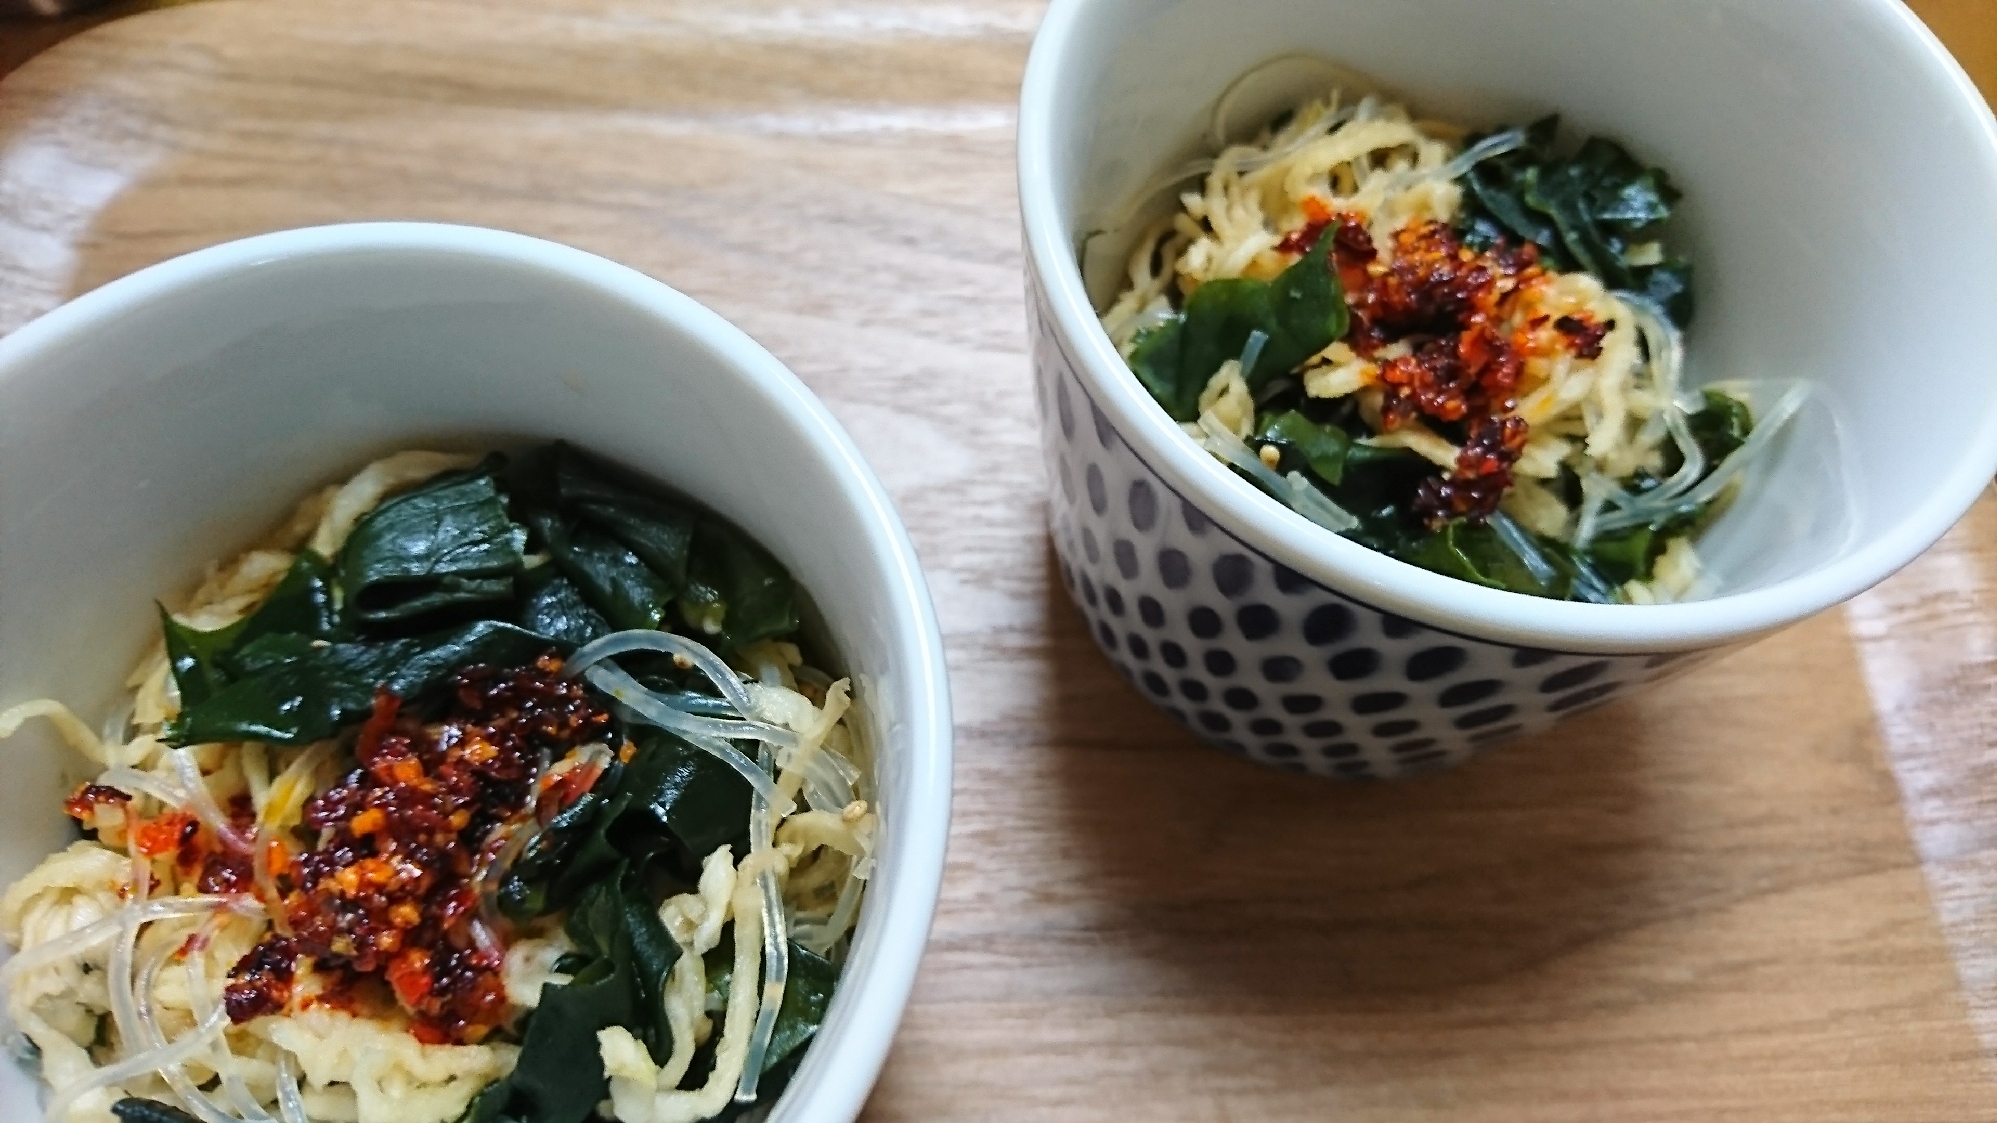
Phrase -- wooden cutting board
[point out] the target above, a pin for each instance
(1762, 893)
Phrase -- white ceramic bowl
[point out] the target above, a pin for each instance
(168, 418)
(1840, 174)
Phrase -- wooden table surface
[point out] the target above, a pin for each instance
(1765, 892)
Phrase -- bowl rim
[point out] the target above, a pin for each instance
(1384, 583)
(837, 1077)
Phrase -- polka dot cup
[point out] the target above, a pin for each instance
(1273, 639)
(1260, 660)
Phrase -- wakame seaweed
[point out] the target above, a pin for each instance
(132, 1109)
(1587, 211)
(617, 975)
(612, 579)
(670, 801)
(447, 545)
(658, 532)
(479, 566)
(303, 603)
(560, 1075)
(1298, 314)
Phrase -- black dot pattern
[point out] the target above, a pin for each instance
(1143, 506)
(1282, 668)
(1379, 703)
(1289, 580)
(1241, 698)
(1353, 665)
(1581, 698)
(1258, 622)
(1126, 558)
(1468, 693)
(1233, 574)
(1434, 662)
(1105, 432)
(1258, 659)
(1328, 624)
(1478, 719)
(1572, 677)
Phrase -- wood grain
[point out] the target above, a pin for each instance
(1763, 892)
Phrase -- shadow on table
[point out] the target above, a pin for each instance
(1291, 890)
(24, 37)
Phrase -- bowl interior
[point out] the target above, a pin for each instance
(171, 418)
(1840, 208)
